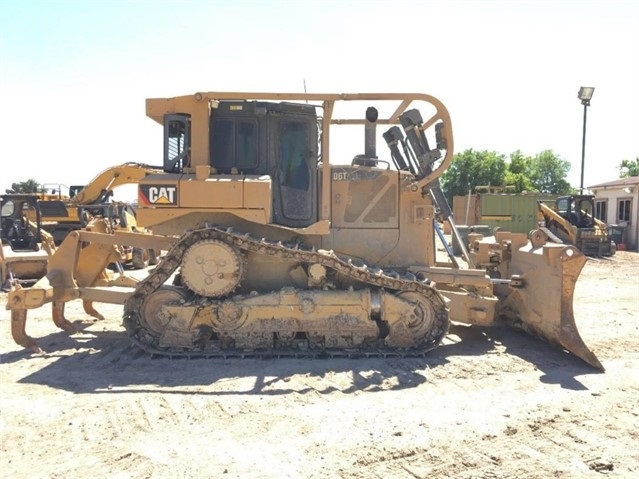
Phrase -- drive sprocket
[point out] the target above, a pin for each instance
(212, 268)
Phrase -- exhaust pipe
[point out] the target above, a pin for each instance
(370, 131)
(369, 158)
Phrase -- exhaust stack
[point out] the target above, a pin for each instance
(370, 131)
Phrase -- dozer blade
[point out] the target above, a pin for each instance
(541, 303)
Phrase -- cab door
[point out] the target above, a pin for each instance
(294, 169)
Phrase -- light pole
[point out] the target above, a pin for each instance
(585, 94)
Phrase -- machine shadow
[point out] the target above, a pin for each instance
(558, 366)
(106, 362)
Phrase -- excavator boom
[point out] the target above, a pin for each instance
(99, 188)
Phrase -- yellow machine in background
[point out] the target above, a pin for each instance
(25, 246)
(571, 221)
(278, 245)
(62, 214)
(27, 249)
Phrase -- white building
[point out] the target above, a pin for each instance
(617, 203)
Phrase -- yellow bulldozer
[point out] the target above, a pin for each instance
(279, 245)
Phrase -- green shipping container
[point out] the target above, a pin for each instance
(510, 212)
(515, 213)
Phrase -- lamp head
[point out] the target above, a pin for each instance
(585, 94)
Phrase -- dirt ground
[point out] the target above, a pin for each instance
(488, 403)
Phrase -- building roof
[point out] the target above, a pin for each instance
(620, 183)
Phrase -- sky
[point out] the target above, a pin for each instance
(74, 74)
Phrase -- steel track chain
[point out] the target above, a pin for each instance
(375, 277)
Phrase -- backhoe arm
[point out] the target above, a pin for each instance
(98, 189)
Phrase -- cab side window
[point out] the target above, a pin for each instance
(234, 145)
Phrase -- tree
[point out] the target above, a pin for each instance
(547, 173)
(517, 172)
(629, 168)
(29, 186)
(544, 172)
(473, 168)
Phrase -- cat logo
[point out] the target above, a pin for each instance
(158, 195)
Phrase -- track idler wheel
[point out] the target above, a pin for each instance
(153, 318)
(415, 320)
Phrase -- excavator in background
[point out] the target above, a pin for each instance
(571, 221)
(62, 214)
(279, 246)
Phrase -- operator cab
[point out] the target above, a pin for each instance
(258, 138)
(577, 209)
(18, 215)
